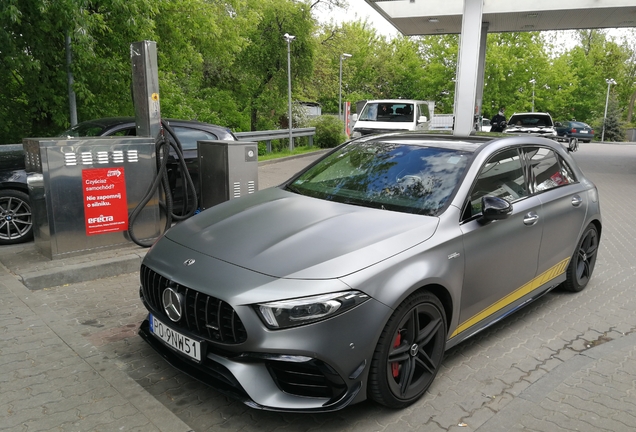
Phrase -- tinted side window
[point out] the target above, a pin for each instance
(124, 132)
(189, 137)
(547, 172)
(502, 176)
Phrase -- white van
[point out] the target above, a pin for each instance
(390, 115)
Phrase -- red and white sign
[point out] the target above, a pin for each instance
(105, 204)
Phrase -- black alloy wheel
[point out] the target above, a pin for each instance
(16, 224)
(409, 352)
(582, 264)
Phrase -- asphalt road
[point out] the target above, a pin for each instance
(70, 358)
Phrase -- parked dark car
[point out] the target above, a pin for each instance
(575, 129)
(351, 280)
(15, 208)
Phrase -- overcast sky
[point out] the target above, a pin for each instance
(359, 9)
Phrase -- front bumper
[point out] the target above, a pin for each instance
(319, 367)
(214, 373)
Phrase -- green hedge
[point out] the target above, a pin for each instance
(329, 131)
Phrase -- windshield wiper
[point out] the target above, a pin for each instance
(293, 189)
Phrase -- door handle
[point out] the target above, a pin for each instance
(576, 200)
(530, 218)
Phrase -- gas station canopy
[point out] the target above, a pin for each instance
(473, 19)
(428, 17)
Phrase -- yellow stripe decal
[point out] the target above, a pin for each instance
(535, 283)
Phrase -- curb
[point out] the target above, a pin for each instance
(88, 271)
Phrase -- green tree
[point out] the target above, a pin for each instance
(34, 97)
(512, 60)
(260, 78)
(592, 61)
(198, 42)
(363, 75)
(439, 58)
(614, 127)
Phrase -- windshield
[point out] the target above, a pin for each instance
(84, 129)
(530, 120)
(398, 177)
(388, 112)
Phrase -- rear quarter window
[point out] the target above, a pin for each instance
(548, 169)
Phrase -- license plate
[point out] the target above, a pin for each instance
(176, 340)
(583, 131)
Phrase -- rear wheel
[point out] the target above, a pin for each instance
(16, 224)
(582, 264)
(409, 352)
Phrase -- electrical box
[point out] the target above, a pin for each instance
(227, 170)
(83, 189)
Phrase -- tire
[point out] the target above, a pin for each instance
(582, 263)
(16, 221)
(409, 352)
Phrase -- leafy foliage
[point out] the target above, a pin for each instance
(225, 62)
(614, 127)
(329, 131)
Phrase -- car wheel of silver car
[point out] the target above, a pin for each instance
(581, 266)
(16, 225)
(409, 352)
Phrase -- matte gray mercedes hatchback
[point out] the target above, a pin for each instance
(350, 280)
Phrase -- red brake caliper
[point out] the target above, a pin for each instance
(395, 366)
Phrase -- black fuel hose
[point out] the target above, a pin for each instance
(162, 154)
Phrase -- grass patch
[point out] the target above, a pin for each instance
(285, 153)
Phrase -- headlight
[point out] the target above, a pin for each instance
(301, 311)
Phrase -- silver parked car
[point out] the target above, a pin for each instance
(350, 280)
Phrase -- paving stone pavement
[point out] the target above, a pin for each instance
(70, 359)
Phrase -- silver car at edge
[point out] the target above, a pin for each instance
(351, 280)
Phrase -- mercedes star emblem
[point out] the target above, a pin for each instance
(172, 304)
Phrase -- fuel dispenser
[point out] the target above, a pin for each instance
(92, 194)
(227, 170)
(82, 190)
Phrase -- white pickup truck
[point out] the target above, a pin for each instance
(391, 115)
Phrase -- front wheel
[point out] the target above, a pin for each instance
(409, 352)
(16, 224)
(582, 264)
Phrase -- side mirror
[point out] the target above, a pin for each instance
(558, 124)
(494, 208)
(422, 119)
(354, 117)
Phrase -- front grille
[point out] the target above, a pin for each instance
(310, 379)
(204, 315)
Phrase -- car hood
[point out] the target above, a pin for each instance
(537, 131)
(285, 235)
(384, 126)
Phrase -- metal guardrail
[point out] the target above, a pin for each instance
(270, 135)
(257, 136)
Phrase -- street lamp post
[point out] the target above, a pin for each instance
(343, 56)
(533, 82)
(609, 82)
(289, 38)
